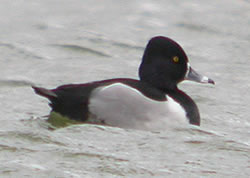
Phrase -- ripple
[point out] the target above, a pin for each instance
(95, 155)
(116, 43)
(81, 49)
(196, 27)
(20, 50)
(128, 46)
(4, 147)
(15, 83)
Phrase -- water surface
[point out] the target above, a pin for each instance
(49, 43)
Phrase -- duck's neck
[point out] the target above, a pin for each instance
(187, 103)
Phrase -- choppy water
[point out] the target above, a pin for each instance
(49, 43)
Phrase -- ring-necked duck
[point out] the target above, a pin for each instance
(153, 102)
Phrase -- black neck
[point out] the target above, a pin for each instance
(187, 103)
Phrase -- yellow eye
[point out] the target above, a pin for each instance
(176, 59)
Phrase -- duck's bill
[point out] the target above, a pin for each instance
(195, 76)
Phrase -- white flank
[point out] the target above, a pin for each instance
(123, 106)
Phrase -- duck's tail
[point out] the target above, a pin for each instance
(45, 92)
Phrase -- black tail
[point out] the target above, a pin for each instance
(68, 101)
(45, 92)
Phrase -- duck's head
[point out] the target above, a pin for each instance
(165, 64)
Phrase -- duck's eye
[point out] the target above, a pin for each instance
(176, 59)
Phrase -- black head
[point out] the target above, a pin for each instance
(164, 63)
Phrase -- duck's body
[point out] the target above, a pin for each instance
(154, 101)
(123, 103)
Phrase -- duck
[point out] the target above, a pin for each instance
(153, 101)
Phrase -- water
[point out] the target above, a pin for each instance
(49, 43)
